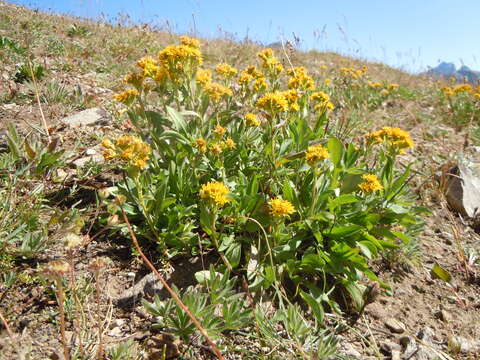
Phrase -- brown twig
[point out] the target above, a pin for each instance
(179, 302)
(61, 310)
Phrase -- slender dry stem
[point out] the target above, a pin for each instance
(175, 297)
(61, 310)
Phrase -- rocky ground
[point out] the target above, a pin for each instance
(422, 317)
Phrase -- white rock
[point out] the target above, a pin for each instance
(87, 117)
(463, 191)
(395, 326)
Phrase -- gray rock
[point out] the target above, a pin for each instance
(394, 325)
(463, 191)
(389, 346)
(396, 355)
(87, 117)
(80, 163)
(409, 347)
(350, 351)
(459, 344)
(443, 316)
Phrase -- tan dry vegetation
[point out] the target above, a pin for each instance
(93, 57)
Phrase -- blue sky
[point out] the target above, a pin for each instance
(411, 34)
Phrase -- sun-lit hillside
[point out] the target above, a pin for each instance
(164, 196)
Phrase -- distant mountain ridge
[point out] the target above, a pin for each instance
(447, 70)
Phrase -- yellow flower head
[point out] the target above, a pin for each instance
(229, 144)
(189, 41)
(127, 97)
(328, 82)
(280, 207)
(216, 91)
(395, 137)
(316, 153)
(129, 149)
(226, 70)
(252, 120)
(248, 75)
(462, 88)
(370, 183)
(299, 79)
(135, 79)
(201, 145)
(291, 96)
(392, 86)
(216, 149)
(384, 92)
(270, 63)
(353, 73)
(216, 192)
(175, 55)
(219, 130)
(374, 85)
(149, 66)
(273, 102)
(204, 76)
(322, 101)
(260, 84)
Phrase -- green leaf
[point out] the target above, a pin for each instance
(177, 119)
(233, 254)
(342, 200)
(344, 231)
(335, 148)
(441, 273)
(355, 293)
(314, 304)
(206, 220)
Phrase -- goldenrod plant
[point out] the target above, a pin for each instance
(243, 162)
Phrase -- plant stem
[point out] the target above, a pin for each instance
(175, 297)
(99, 318)
(61, 310)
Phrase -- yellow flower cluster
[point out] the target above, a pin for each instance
(216, 91)
(149, 66)
(300, 80)
(248, 75)
(273, 103)
(396, 137)
(316, 153)
(374, 85)
(229, 144)
(456, 90)
(201, 145)
(129, 149)
(216, 192)
(179, 54)
(204, 77)
(135, 79)
(127, 97)
(270, 63)
(219, 130)
(280, 207)
(353, 73)
(175, 59)
(252, 120)
(322, 101)
(260, 84)
(225, 70)
(370, 183)
(191, 42)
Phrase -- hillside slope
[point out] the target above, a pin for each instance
(46, 195)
